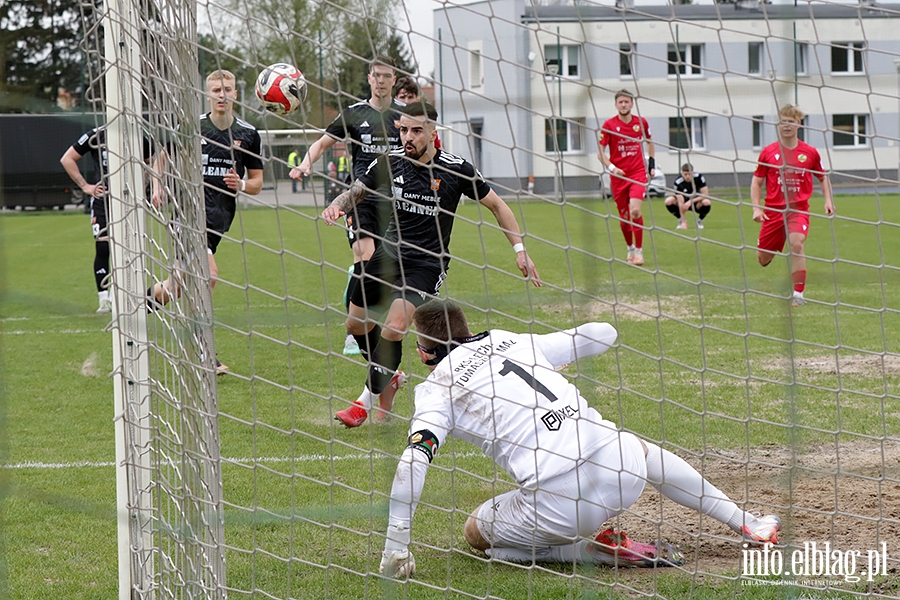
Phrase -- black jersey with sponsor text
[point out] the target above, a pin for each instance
(368, 133)
(425, 198)
(238, 148)
(690, 188)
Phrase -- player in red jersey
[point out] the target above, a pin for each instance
(786, 168)
(624, 134)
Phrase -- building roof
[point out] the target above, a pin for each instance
(715, 12)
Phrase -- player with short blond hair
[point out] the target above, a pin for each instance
(786, 169)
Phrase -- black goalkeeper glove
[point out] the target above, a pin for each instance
(651, 163)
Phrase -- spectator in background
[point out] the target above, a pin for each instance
(293, 160)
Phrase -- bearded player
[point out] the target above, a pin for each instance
(625, 135)
(786, 168)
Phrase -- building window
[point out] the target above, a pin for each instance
(563, 135)
(757, 131)
(566, 65)
(754, 58)
(847, 57)
(800, 57)
(849, 130)
(685, 59)
(687, 133)
(476, 74)
(626, 60)
(801, 133)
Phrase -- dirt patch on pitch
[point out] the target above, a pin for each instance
(847, 495)
(632, 309)
(867, 365)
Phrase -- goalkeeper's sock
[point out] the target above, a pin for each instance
(680, 482)
(569, 553)
(799, 278)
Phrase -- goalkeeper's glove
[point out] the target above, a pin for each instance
(398, 564)
(651, 163)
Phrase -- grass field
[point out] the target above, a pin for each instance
(711, 362)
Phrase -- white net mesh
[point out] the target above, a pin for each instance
(789, 410)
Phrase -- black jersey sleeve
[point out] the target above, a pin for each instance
(338, 128)
(473, 184)
(87, 143)
(701, 181)
(376, 173)
(253, 156)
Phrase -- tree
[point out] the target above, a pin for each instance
(40, 51)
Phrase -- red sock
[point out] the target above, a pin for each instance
(638, 232)
(799, 278)
(625, 224)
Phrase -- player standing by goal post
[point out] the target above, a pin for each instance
(501, 392)
(230, 148)
(625, 135)
(410, 265)
(786, 168)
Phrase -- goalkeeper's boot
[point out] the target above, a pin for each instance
(614, 548)
(638, 259)
(762, 530)
(220, 368)
(351, 417)
(386, 398)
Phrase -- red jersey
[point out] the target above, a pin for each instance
(625, 145)
(788, 174)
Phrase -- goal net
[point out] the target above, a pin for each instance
(245, 486)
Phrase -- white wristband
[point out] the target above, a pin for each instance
(520, 247)
(243, 185)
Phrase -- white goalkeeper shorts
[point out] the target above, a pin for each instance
(570, 506)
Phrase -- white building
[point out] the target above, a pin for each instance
(709, 79)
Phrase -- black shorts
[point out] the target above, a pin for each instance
(98, 218)
(212, 239)
(382, 283)
(368, 220)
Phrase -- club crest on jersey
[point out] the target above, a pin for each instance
(237, 143)
(801, 158)
(777, 156)
(435, 184)
(636, 128)
(397, 123)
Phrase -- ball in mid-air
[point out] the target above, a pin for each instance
(281, 88)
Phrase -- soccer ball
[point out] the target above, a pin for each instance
(281, 88)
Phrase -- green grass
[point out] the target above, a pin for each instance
(700, 365)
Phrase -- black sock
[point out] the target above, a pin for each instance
(352, 283)
(368, 342)
(673, 208)
(702, 211)
(101, 264)
(385, 360)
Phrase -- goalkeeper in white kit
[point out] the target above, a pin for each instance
(575, 470)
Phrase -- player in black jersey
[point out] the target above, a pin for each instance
(410, 265)
(691, 193)
(369, 129)
(230, 147)
(93, 144)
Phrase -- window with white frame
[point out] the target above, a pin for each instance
(685, 59)
(476, 72)
(847, 57)
(849, 130)
(754, 58)
(563, 60)
(563, 135)
(687, 133)
(757, 131)
(800, 52)
(626, 60)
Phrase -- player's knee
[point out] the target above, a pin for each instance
(797, 247)
(394, 330)
(355, 326)
(671, 200)
(636, 213)
(764, 258)
(473, 533)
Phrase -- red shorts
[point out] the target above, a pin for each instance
(774, 232)
(623, 190)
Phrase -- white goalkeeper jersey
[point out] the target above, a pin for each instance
(503, 394)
